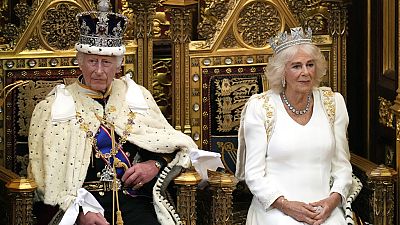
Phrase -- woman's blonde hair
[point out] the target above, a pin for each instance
(275, 70)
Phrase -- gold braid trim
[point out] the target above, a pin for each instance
(328, 99)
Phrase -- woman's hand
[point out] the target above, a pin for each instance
(91, 218)
(325, 207)
(139, 174)
(299, 211)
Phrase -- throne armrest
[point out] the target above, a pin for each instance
(21, 192)
(375, 204)
(186, 184)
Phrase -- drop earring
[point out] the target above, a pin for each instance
(283, 82)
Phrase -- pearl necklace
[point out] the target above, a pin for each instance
(295, 111)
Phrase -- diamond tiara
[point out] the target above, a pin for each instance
(297, 37)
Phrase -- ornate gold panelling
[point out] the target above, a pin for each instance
(216, 14)
(29, 95)
(186, 196)
(212, 12)
(143, 14)
(376, 201)
(43, 27)
(385, 112)
(229, 41)
(381, 181)
(222, 186)
(58, 28)
(21, 206)
(256, 23)
(128, 12)
(312, 13)
(180, 32)
(162, 86)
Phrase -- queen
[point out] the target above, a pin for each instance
(293, 152)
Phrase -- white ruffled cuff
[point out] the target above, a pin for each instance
(88, 203)
(203, 161)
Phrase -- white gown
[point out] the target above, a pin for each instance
(298, 163)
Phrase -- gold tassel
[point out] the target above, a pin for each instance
(115, 188)
(119, 218)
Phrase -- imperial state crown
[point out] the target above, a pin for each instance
(102, 31)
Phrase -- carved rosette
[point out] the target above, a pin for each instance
(59, 28)
(206, 29)
(257, 22)
(218, 9)
(10, 32)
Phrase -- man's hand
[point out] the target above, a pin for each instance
(139, 174)
(326, 206)
(91, 218)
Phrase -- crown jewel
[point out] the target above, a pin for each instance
(297, 37)
(101, 31)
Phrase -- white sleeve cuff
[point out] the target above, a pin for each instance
(88, 203)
